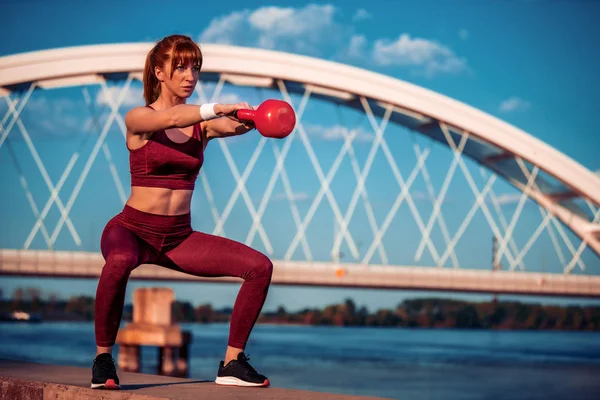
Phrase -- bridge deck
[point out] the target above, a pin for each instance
(89, 265)
(27, 381)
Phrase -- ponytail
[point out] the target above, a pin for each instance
(151, 83)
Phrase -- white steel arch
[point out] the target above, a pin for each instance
(492, 142)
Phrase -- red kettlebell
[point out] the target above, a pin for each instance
(273, 118)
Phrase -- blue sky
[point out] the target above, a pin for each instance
(530, 63)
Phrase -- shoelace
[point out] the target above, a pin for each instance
(105, 366)
(244, 359)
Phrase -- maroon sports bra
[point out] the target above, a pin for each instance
(164, 163)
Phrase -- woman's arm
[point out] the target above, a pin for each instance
(225, 127)
(144, 119)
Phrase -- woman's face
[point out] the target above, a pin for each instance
(182, 81)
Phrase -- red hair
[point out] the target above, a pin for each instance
(178, 49)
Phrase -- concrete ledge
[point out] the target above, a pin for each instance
(20, 389)
(29, 381)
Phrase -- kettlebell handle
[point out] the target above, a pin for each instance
(244, 115)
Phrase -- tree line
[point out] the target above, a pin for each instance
(413, 313)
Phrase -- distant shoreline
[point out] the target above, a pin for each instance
(426, 313)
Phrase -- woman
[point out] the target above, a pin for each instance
(166, 140)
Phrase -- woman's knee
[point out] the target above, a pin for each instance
(120, 263)
(120, 249)
(261, 267)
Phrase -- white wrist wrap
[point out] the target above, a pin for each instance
(207, 111)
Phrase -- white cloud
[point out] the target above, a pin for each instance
(133, 97)
(339, 132)
(429, 56)
(358, 44)
(290, 29)
(314, 30)
(506, 199)
(228, 98)
(421, 196)
(361, 14)
(275, 22)
(225, 30)
(463, 34)
(514, 104)
(269, 18)
(208, 89)
(297, 197)
(43, 117)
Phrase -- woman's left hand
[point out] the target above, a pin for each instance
(244, 106)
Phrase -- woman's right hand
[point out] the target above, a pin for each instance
(227, 110)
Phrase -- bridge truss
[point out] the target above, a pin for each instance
(365, 231)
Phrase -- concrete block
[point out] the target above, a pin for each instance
(153, 306)
(150, 335)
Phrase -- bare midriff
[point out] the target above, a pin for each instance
(160, 200)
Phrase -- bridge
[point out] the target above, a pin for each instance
(57, 264)
(408, 208)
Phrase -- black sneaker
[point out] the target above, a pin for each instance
(240, 373)
(104, 373)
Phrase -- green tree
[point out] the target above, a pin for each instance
(467, 317)
(18, 296)
(183, 311)
(33, 295)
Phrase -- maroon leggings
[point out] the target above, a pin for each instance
(134, 237)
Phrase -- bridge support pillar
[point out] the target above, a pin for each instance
(152, 326)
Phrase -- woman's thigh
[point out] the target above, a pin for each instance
(208, 255)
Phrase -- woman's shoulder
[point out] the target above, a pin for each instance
(139, 111)
(137, 114)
